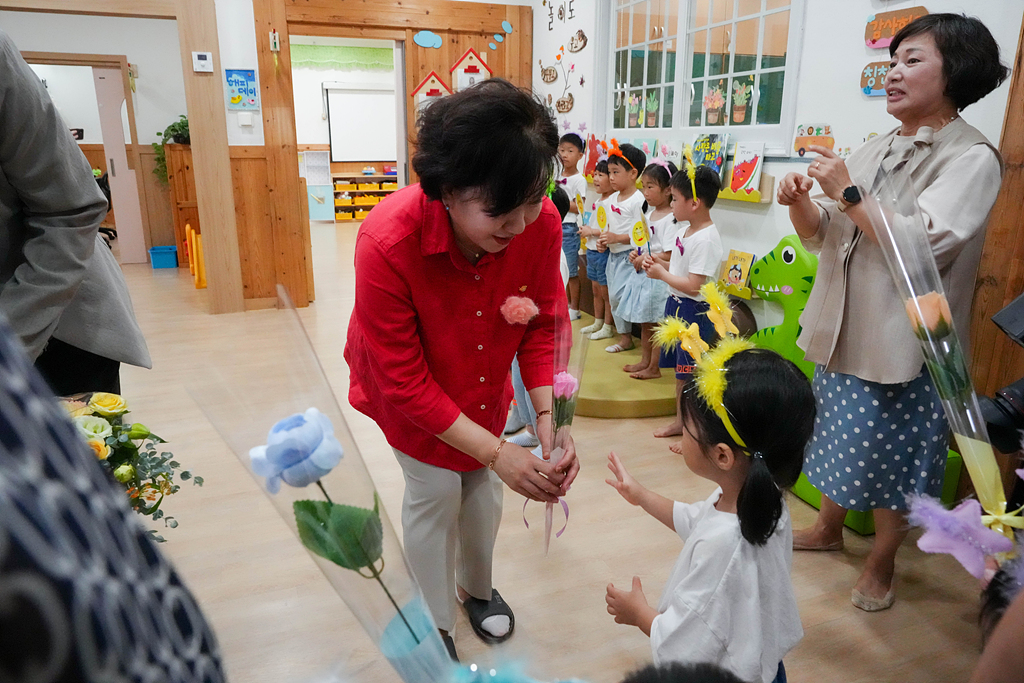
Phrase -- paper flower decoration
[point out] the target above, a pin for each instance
(719, 313)
(519, 310)
(300, 450)
(958, 532)
(714, 100)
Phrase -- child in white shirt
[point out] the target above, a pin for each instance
(625, 210)
(597, 258)
(695, 254)
(570, 152)
(730, 597)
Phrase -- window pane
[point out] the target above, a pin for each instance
(696, 106)
(655, 56)
(636, 66)
(635, 103)
(742, 91)
(670, 61)
(619, 115)
(699, 13)
(622, 30)
(639, 32)
(666, 107)
(745, 52)
(776, 4)
(657, 27)
(721, 10)
(652, 105)
(620, 69)
(697, 47)
(769, 102)
(718, 50)
(776, 37)
(671, 17)
(714, 103)
(748, 7)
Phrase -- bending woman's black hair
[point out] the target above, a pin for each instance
(493, 137)
(771, 406)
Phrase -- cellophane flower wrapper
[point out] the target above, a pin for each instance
(570, 356)
(900, 229)
(244, 397)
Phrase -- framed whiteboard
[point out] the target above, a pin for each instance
(362, 123)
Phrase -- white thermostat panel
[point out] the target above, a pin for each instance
(202, 61)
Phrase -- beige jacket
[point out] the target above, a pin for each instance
(855, 322)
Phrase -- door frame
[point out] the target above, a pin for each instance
(109, 62)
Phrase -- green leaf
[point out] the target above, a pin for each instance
(185, 476)
(348, 536)
(175, 464)
(171, 522)
(198, 481)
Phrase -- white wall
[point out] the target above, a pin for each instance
(546, 44)
(152, 44)
(236, 34)
(72, 91)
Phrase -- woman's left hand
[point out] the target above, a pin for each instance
(830, 171)
(569, 464)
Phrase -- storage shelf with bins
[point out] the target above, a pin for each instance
(365, 192)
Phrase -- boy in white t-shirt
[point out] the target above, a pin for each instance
(597, 258)
(625, 209)
(696, 255)
(570, 152)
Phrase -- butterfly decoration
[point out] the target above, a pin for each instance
(616, 209)
(679, 245)
(581, 81)
(563, 181)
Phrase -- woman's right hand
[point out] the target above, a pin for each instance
(794, 188)
(528, 475)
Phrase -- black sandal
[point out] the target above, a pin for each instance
(477, 610)
(449, 644)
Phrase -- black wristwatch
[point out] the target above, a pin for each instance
(850, 196)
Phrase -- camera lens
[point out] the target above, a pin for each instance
(1004, 414)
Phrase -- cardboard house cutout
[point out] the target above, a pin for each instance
(430, 90)
(469, 70)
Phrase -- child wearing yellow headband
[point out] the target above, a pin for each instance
(748, 416)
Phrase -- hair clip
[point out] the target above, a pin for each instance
(658, 161)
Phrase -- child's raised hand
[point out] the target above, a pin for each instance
(630, 607)
(624, 482)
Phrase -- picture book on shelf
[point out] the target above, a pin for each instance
(709, 149)
(736, 272)
(747, 162)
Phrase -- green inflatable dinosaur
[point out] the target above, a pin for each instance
(785, 275)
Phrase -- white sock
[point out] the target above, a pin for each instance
(497, 626)
(605, 332)
(592, 327)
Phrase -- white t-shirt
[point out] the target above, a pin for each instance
(663, 232)
(728, 602)
(622, 216)
(699, 253)
(572, 185)
(594, 224)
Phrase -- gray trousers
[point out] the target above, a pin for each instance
(450, 521)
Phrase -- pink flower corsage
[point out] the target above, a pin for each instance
(519, 310)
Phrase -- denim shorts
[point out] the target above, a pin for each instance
(597, 266)
(571, 247)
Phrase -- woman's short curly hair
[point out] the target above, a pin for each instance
(493, 137)
(970, 55)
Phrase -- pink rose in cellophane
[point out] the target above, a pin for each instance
(519, 310)
(565, 385)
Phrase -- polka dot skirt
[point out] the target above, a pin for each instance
(875, 443)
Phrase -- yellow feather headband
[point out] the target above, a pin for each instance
(719, 313)
(690, 168)
(711, 381)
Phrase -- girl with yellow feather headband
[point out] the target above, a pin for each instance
(748, 415)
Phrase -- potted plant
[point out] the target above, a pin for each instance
(177, 133)
(634, 110)
(713, 103)
(740, 97)
(652, 110)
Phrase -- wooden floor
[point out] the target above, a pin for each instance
(278, 620)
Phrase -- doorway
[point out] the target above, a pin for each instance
(94, 90)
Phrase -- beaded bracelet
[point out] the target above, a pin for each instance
(543, 413)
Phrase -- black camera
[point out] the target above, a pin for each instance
(1004, 412)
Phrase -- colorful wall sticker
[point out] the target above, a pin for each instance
(812, 134)
(872, 78)
(428, 39)
(882, 28)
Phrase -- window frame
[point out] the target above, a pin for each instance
(778, 138)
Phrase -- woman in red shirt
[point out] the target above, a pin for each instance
(430, 351)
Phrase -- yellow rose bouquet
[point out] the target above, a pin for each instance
(130, 452)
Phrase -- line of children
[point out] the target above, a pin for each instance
(570, 152)
(625, 209)
(643, 298)
(729, 600)
(695, 255)
(597, 255)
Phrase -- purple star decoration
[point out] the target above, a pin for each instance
(958, 532)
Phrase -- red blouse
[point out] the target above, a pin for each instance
(426, 340)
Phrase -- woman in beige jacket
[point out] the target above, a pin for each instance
(880, 432)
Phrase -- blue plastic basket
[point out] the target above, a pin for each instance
(163, 257)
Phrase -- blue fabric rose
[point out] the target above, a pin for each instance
(300, 450)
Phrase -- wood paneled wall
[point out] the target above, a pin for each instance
(157, 204)
(254, 223)
(997, 361)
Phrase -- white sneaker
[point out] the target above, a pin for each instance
(606, 332)
(574, 314)
(591, 328)
(526, 440)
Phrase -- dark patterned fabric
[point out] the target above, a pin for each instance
(84, 594)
